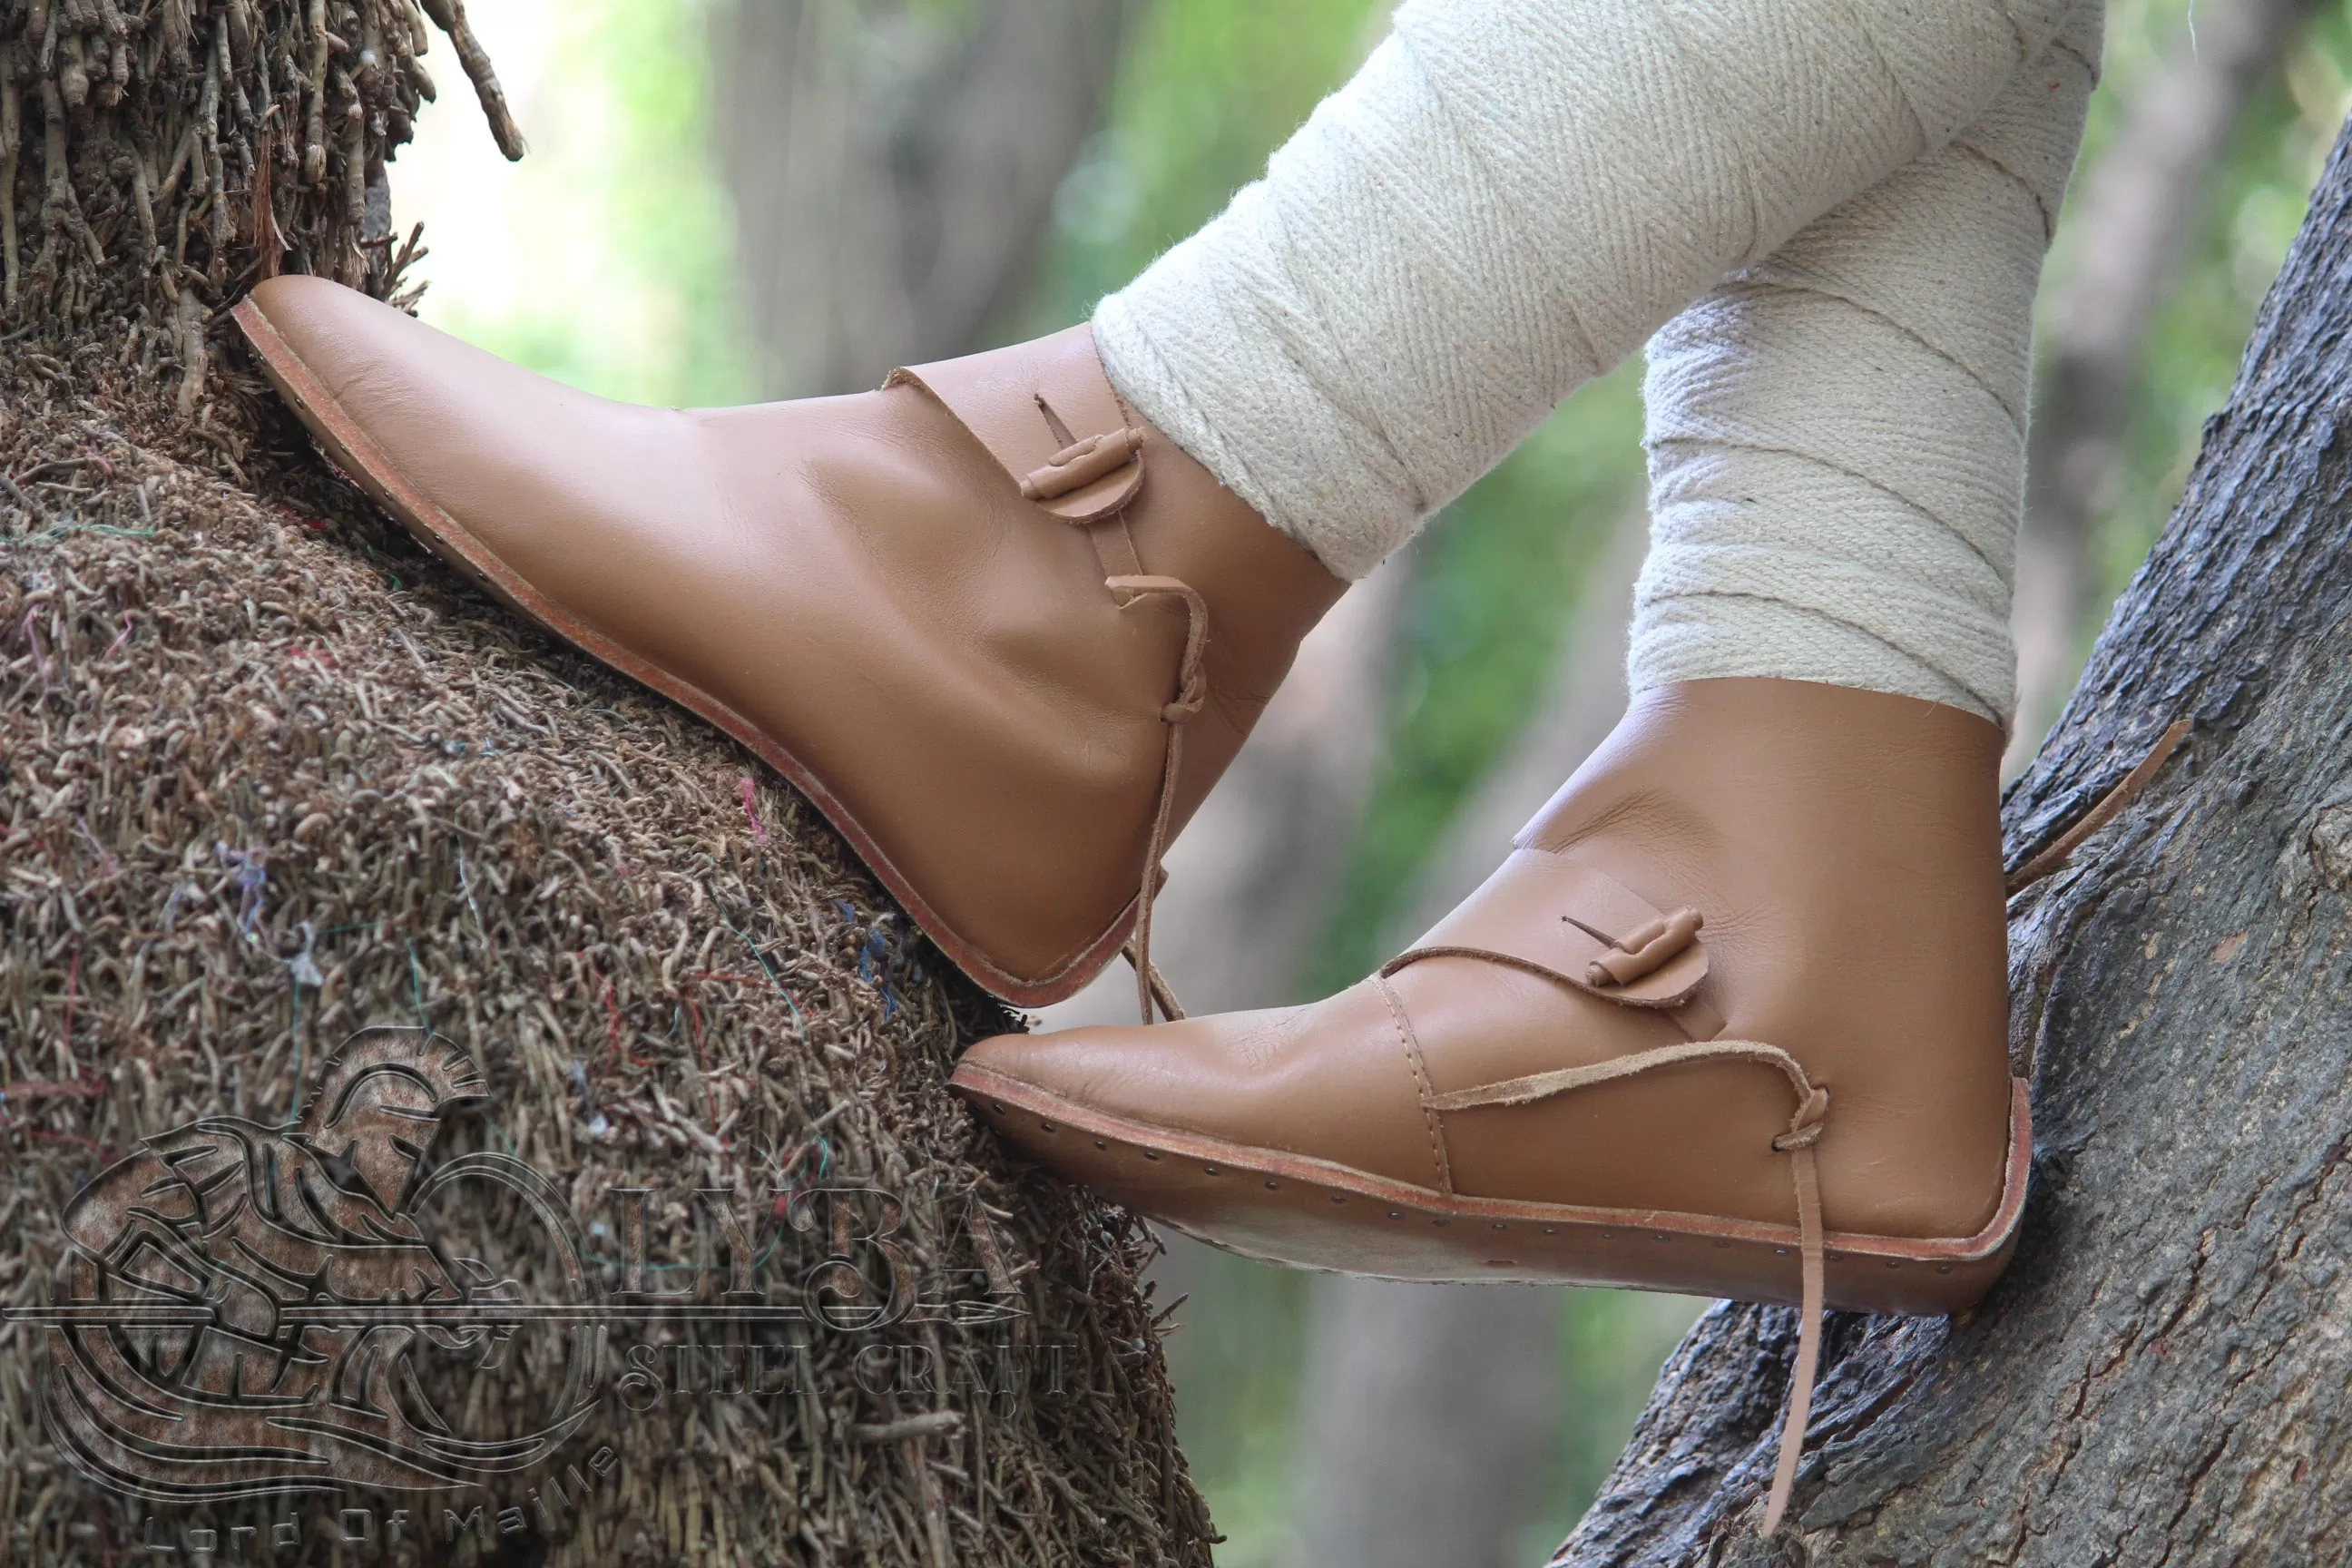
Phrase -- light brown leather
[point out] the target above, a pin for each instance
(1731, 1018)
(858, 588)
(1837, 853)
(1560, 918)
(1842, 849)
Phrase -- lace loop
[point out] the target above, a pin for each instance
(1805, 1127)
(1804, 1132)
(2108, 807)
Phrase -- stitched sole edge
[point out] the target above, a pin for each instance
(1136, 1165)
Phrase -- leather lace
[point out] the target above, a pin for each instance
(1639, 955)
(2105, 810)
(1804, 1131)
(1080, 462)
(1191, 692)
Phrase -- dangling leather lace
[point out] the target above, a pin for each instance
(1078, 463)
(1191, 692)
(1161, 991)
(2108, 807)
(1796, 1142)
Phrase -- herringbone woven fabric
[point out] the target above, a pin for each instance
(1511, 194)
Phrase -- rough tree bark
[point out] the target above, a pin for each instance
(268, 775)
(893, 169)
(2160, 1378)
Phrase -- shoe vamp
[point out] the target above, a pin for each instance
(1694, 1138)
(1331, 1083)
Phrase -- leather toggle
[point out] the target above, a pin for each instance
(1082, 463)
(1517, 919)
(1023, 409)
(1645, 951)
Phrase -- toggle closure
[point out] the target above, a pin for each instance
(1082, 463)
(1027, 415)
(1553, 915)
(1646, 951)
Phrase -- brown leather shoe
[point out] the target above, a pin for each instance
(1002, 632)
(1731, 1020)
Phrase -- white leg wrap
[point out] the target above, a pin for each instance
(1505, 201)
(1513, 192)
(1837, 434)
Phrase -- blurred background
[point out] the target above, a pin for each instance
(735, 199)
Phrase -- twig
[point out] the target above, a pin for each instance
(181, 154)
(314, 124)
(449, 16)
(142, 195)
(62, 210)
(193, 355)
(930, 1424)
(12, 138)
(266, 240)
(217, 76)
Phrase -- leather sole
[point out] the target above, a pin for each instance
(1313, 1213)
(446, 538)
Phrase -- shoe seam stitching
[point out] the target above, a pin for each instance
(1420, 1069)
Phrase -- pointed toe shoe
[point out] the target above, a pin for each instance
(1002, 632)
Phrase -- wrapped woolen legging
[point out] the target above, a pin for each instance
(1831, 212)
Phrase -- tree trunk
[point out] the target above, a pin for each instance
(276, 788)
(2159, 1377)
(894, 166)
(1406, 1390)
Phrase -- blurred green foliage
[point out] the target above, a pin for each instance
(1207, 89)
(1494, 580)
(2251, 209)
(1611, 1343)
(1235, 1358)
(620, 214)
